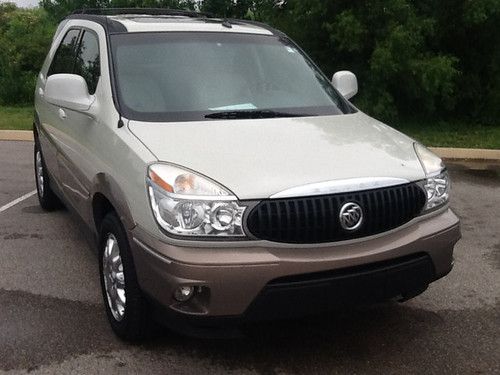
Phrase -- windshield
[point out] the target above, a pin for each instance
(200, 76)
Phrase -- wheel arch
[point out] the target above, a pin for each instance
(107, 196)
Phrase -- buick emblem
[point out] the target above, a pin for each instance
(351, 216)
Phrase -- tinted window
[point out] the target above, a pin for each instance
(65, 55)
(87, 60)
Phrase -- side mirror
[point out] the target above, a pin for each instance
(68, 91)
(346, 83)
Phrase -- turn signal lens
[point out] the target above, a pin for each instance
(431, 163)
(158, 181)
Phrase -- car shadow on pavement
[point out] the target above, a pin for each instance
(358, 340)
(48, 331)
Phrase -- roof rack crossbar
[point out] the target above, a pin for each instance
(141, 11)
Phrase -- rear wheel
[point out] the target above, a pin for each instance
(46, 196)
(126, 308)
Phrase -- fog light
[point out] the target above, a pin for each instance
(184, 293)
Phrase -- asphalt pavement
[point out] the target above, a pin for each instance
(52, 319)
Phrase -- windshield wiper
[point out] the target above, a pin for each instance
(236, 115)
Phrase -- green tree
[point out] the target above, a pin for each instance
(249, 9)
(59, 9)
(387, 43)
(222, 8)
(25, 37)
(470, 30)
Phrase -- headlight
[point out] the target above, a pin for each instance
(437, 184)
(187, 204)
(438, 191)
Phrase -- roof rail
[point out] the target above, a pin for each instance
(141, 11)
(262, 25)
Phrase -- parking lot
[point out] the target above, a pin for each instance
(52, 319)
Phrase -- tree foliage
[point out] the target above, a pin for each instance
(413, 58)
(58, 9)
(25, 36)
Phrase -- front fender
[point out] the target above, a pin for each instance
(104, 185)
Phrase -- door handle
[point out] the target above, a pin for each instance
(62, 114)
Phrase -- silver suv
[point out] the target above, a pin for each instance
(225, 178)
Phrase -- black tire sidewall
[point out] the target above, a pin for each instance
(40, 196)
(48, 201)
(133, 325)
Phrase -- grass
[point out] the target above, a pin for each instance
(453, 134)
(16, 118)
(439, 134)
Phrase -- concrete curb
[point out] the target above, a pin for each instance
(445, 153)
(16, 135)
(466, 153)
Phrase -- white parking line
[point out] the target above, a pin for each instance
(16, 201)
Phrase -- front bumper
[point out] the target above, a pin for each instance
(256, 282)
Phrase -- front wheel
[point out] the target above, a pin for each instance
(126, 307)
(46, 196)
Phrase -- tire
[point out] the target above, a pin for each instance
(129, 316)
(46, 196)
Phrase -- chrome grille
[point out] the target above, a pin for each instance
(316, 219)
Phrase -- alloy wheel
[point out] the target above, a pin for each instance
(114, 278)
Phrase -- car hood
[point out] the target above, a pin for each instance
(257, 159)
